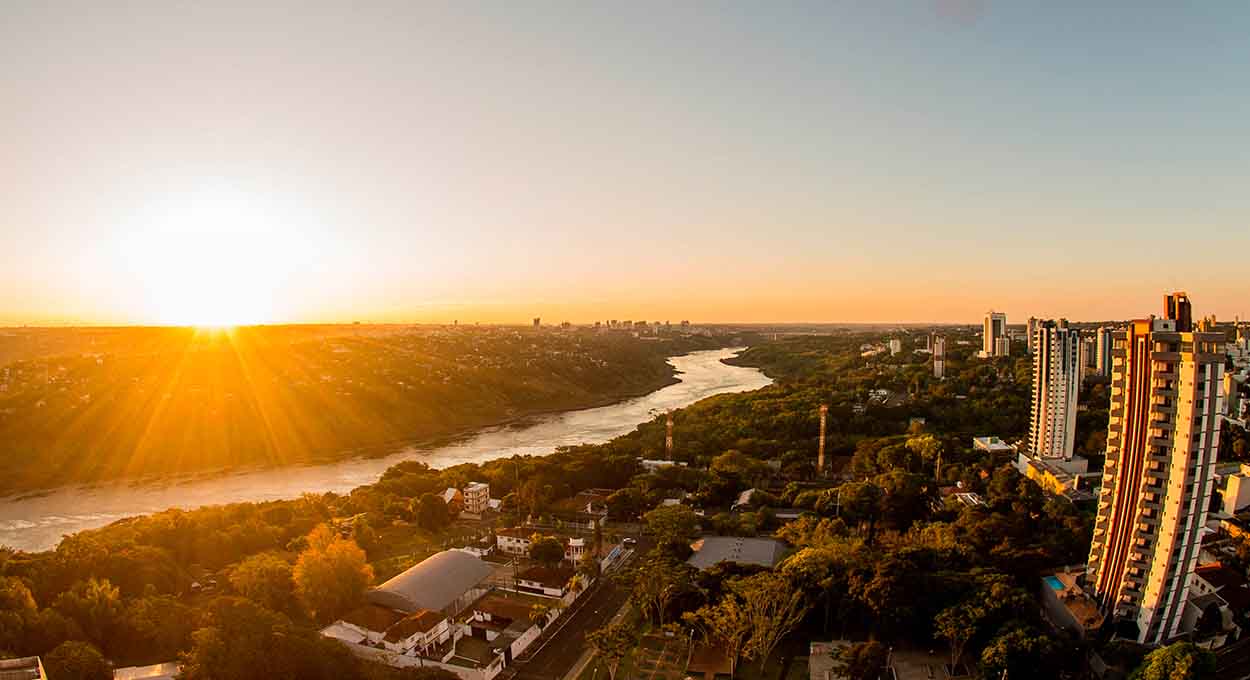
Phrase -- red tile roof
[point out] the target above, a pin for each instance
(421, 622)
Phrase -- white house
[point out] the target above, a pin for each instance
(476, 498)
(516, 541)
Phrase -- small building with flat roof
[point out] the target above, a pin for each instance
(712, 550)
(23, 668)
(158, 671)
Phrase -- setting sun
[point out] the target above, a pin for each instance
(213, 258)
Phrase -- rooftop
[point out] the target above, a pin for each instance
(712, 550)
(1231, 586)
(435, 583)
(372, 617)
(513, 606)
(551, 578)
(421, 622)
(24, 668)
(160, 671)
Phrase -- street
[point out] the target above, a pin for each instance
(561, 652)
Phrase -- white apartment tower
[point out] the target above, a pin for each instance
(939, 357)
(1162, 444)
(1056, 383)
(1032, 334)
(995, 342)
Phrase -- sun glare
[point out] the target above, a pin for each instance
(213, 259)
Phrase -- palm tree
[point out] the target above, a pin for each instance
(538, 615)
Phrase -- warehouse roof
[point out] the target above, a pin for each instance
(435, 583)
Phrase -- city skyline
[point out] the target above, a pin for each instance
(801, 164)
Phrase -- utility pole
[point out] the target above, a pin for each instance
(820, 455)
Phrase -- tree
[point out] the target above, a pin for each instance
(77, 661)
(538, 615)
(660, 580)
(626, 504)
(775, 605)
(97, 607)
(17, 608)
(158, 626)
(431, 512)
(612, 644)
(672, 523)
(726, 624)
(331, 575)
(239, 637)
(1021, 652)
(861, 503)
(957, 624)
(861, 661)
(365, 536)
(1178, 661)
(588, 566)
(546, 550)
(266, 579)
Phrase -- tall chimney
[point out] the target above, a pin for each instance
(668, 435)
(820, 456)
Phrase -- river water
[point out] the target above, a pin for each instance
(38, 522)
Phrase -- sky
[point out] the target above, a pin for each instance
(920, 161)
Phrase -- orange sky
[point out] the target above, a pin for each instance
(234, 163)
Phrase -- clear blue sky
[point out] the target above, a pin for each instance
(909, 161)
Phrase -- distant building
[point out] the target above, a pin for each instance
(476, 498)
(1056, 383)
(992, 445)
(712, 550)
(651, 465)
(1068, 607)
(517, 541)
(454, 500)
(1103, 342)
(168, 670)
(994, 342)
(24, 668)
(1162, 445)
(160, 671)
(896, 346)
(1031, 332)
(538, 322)
(443, 582)
(545, 581)
(939, 357)
(1237, 491)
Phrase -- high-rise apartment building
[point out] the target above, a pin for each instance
(896, 346)
(995, 342)
(1032, 333)
(1162, 444)
(1103, 341)
(1056, 383)
(939, 357)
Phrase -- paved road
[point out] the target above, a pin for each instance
(555, 659)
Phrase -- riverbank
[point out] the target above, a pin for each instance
(38, 523)
(377, 451)
(255, 404)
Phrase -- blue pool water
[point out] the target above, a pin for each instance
(1054, 583)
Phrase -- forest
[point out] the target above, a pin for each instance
(881, 551)
(162, 402)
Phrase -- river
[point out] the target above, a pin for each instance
(37, 522)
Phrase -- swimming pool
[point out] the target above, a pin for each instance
(1054, 582)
